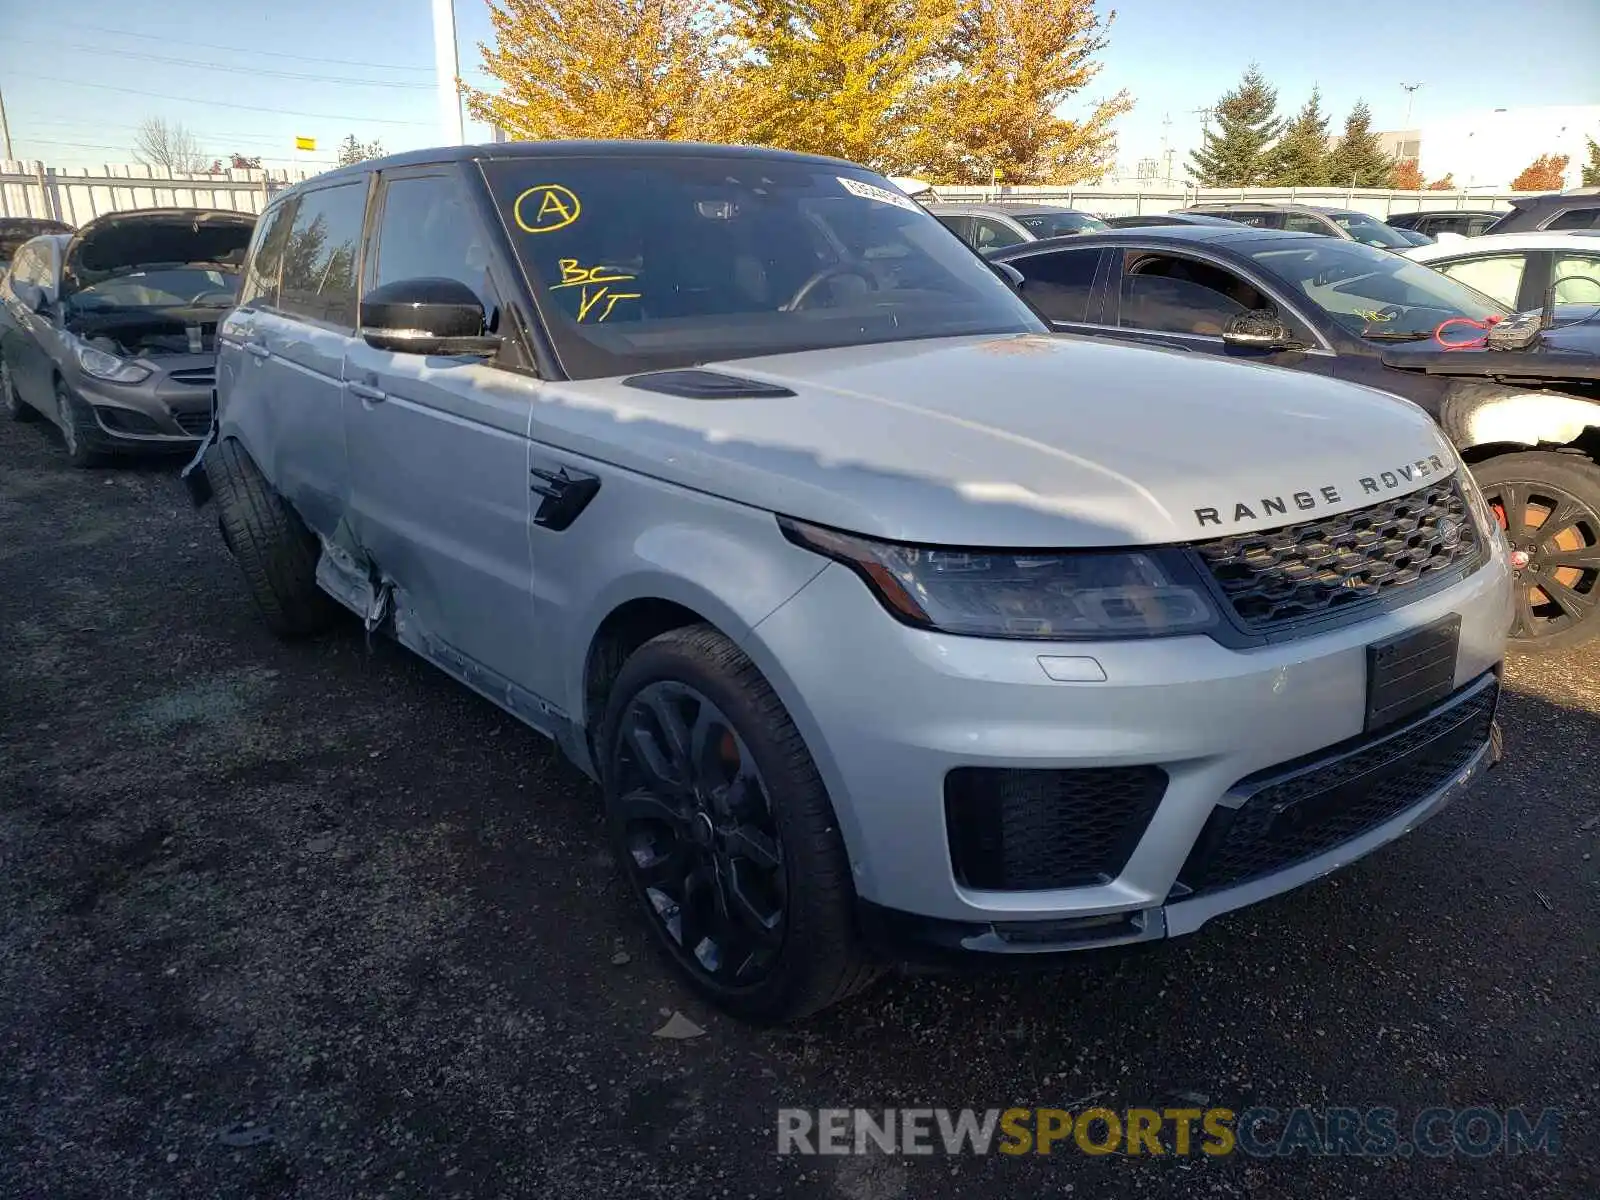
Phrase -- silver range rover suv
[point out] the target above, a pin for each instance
(891, 625)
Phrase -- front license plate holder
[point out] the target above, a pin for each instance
(1412, 671)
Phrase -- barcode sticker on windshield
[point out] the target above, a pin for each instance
(871, 191)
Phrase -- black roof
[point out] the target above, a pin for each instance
(1452, 212)
(590, 148)
(1174, 235)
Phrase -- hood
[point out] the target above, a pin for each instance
(120, 242)
(1568, 351)
(1030, 440)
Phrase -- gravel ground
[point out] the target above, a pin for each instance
(326, 893)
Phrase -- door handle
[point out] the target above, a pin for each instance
(366, 392)
(257, 350)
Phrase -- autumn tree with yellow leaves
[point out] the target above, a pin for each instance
(605, 69)
(952, 90)
(1009, 65)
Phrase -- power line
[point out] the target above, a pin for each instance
(209, 103)
(103, 146)
(251, 50)
(227, 67)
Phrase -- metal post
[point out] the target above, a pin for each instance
(5, 129)
(447, 66)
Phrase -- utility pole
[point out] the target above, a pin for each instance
(1166, 146)
(5, 129)
(447, 67)
(1411, 95)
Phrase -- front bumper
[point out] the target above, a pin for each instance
(890, 711)
(159, 415)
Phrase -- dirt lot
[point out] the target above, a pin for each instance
(326, 891)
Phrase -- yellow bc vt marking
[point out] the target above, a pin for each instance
(546, 207)
(596, 285)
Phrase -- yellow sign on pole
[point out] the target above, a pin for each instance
(304, 143)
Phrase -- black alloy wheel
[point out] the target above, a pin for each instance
(1549, 507)
(698, 829)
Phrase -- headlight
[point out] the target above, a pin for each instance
(1050, 596)
(1488, 524)
(109, 367)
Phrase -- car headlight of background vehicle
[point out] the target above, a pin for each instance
(1034, 595)
(109, 367)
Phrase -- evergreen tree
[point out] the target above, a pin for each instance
(1302, 151)
(1239, 152)
(1591, 169)
(1359, 161)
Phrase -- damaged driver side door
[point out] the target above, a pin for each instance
(438, 453)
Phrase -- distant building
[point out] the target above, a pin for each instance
(1489, 148)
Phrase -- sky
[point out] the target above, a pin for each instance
(250, 78)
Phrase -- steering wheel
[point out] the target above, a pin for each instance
(217, 299)
(803, 292)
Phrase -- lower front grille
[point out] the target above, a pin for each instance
(1300, 810)
(1028, 830)
(200, 376)
(193, 422)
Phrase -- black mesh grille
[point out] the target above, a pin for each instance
(193, 422)
(1307, 570)
(1017, 830)
(1311, 808)
(194, 375)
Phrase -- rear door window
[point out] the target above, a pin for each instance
(1499, 277)
(1575, 218)
(988, 233)
(320, 256)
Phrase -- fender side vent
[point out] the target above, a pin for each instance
(705, 385)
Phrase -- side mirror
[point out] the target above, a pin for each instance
(31, 295)
(426, 316)
(1013, 278)
(1259, 329)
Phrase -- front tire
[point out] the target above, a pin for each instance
(16, 408)
(78, 429)
(277, 553)
(726, 833)
(1549, 506)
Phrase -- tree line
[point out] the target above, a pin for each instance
(954, 91)
(1252, 146)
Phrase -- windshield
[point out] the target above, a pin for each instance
(1370, 230)
(1372, 293)
(1049, 225)
(165, 287)
(642, 264)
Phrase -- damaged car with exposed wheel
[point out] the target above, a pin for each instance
(890, 625)
(110, 332)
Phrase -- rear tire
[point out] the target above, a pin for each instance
(272, 546)
(767, 833)
(16, 408)
(1549, 505)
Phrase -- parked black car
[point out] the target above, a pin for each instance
(1146, 220)
(1347, 223)
(16, 230)
(1554, 212)
(1466, 222)
(1528, 420)
(987, 227)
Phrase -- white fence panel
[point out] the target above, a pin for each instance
(31, 189)
(1114, 201)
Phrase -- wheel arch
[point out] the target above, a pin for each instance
(1486, 420)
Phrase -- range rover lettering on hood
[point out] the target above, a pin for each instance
(1265, 507)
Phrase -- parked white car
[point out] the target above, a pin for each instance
(1518, 269)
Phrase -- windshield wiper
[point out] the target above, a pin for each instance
(1396, 337)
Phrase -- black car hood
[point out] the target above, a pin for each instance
(120, 242)
(1570, 351)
